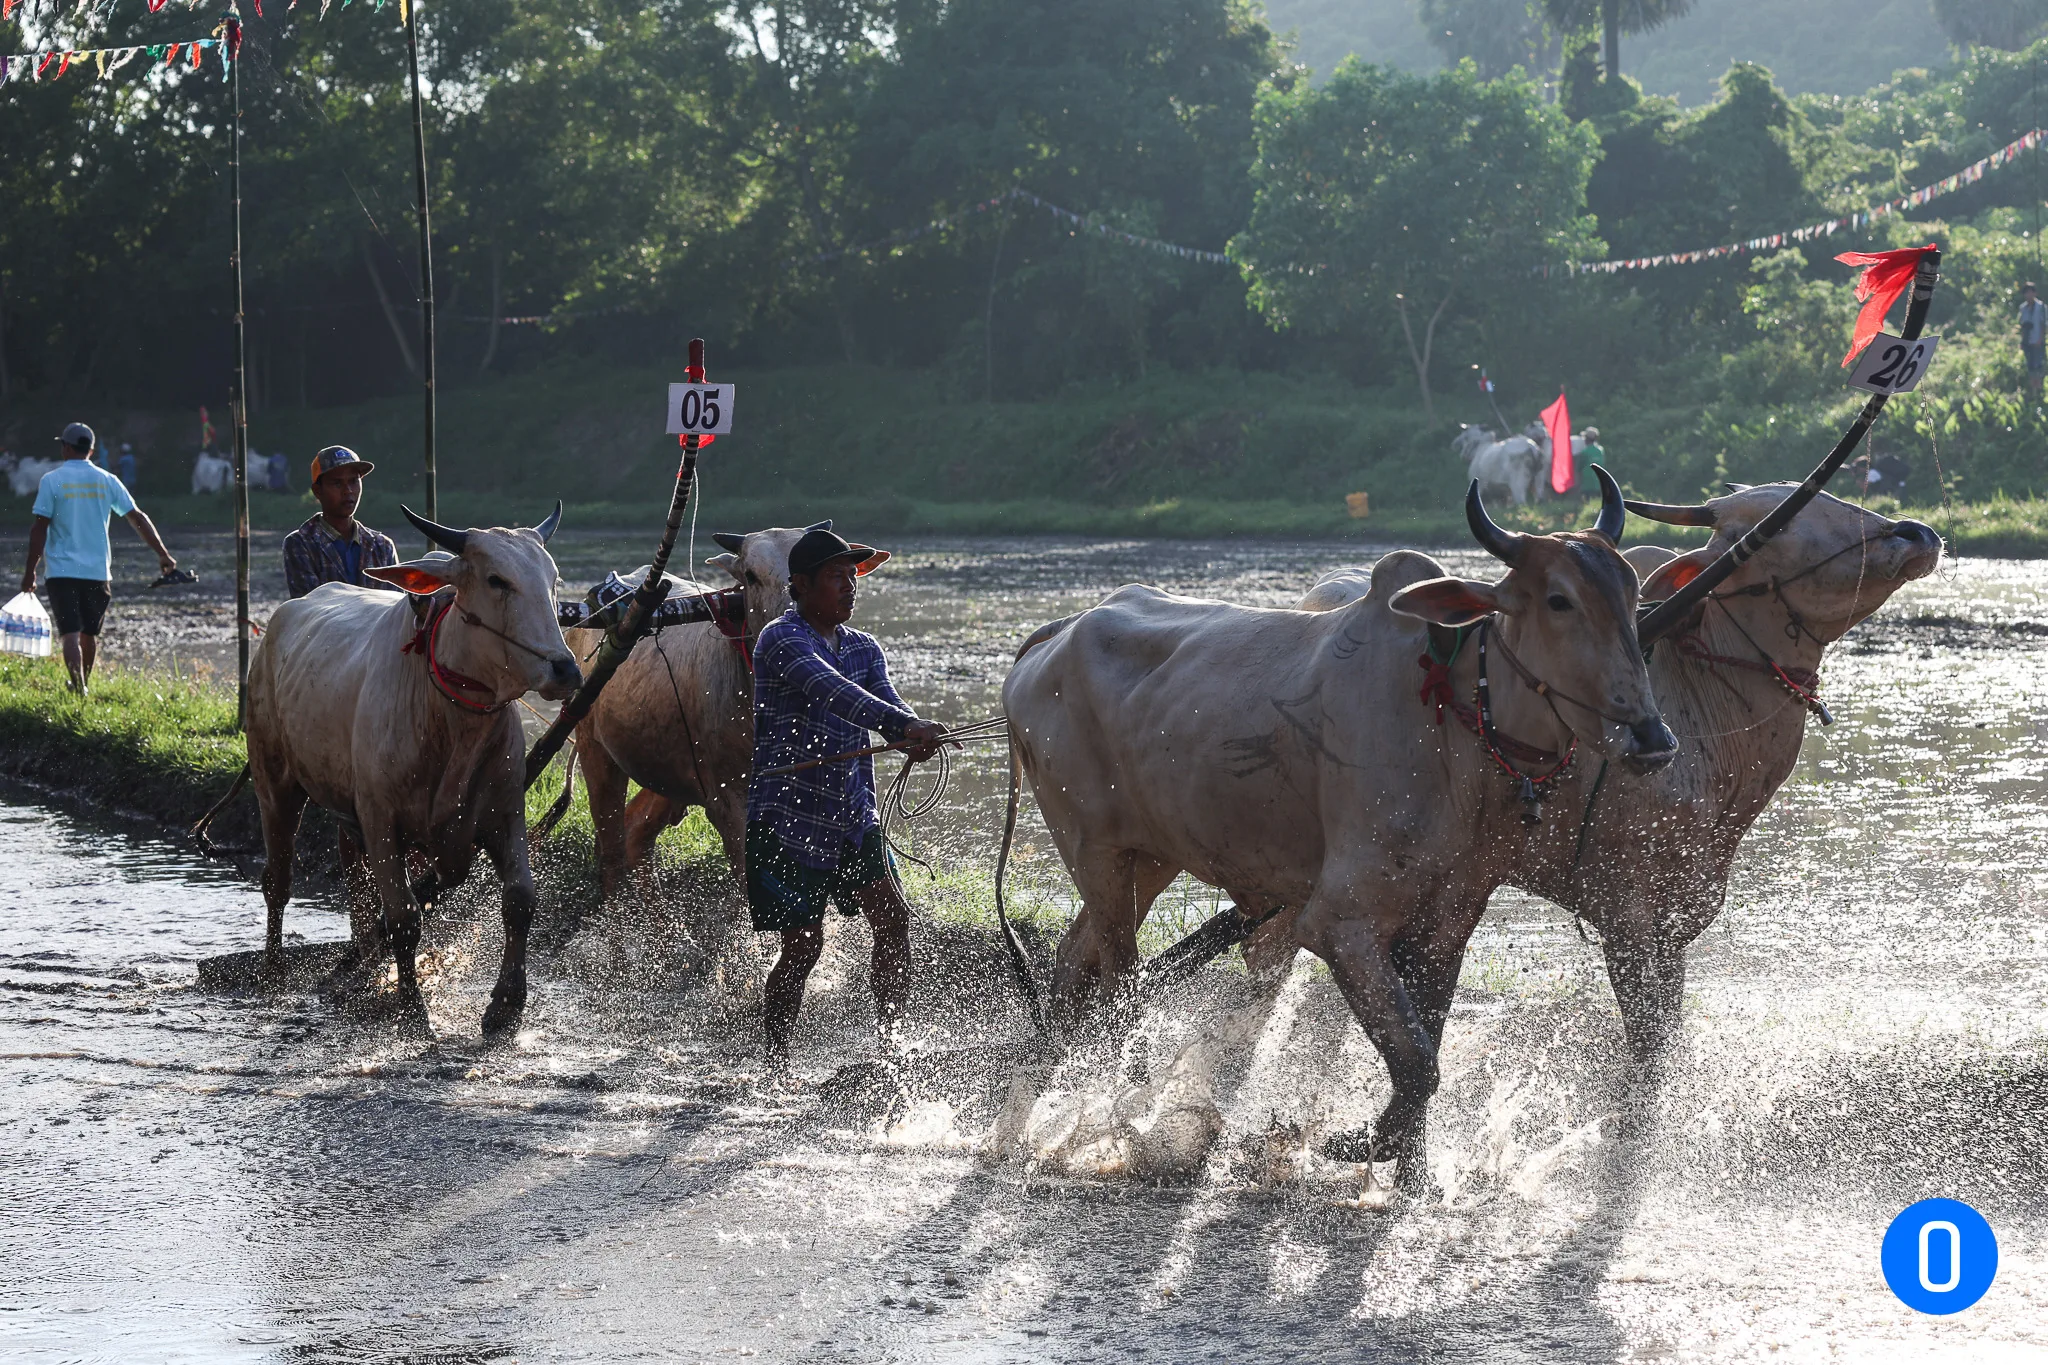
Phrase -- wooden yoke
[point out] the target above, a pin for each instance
(639, 617)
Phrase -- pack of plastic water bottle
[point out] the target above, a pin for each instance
(25, 627)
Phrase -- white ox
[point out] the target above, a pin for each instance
(212, 473)
(1515, 467)
(1653, 869)
(678, 716)
(1283, 757)
(405, 726)
(24, 476)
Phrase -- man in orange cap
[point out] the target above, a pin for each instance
(334, 547)
(814, 835)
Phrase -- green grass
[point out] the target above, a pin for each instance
(892, 452)
(144, 741)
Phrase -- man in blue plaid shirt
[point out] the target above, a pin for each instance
(815, 835)
(333, 547)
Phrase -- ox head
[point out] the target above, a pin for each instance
(1835, 564)
(505, 578)
(759, 562)
(1568, 609)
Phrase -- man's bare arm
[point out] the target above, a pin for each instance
(38, 532)
(146, 528)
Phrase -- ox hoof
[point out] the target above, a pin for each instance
(1355, 1146)
(502, 1016)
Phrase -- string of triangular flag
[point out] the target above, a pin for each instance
(1079, 222)
(226, 42)
(1949, 184)
(106, 7)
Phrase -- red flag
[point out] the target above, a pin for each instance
(1885, 276)
(1557, 420)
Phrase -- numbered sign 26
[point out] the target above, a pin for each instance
(1892, 365)
(699, 409)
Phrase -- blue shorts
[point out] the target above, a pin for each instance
(784, 894)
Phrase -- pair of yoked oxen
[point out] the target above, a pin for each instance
(1361, 771)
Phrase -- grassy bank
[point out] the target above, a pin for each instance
(894, 452)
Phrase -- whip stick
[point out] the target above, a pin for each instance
(419, 146)
(1657, 620)
(240, 411)
(638, 618)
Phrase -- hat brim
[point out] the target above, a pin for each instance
(870, 559)
(359, 466)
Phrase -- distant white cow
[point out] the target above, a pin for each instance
(24, 475)
(212, 473)
(1515, 466)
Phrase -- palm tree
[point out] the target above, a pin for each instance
(1614, 18)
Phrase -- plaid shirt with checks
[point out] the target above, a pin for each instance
(312, 556)
(813, 699)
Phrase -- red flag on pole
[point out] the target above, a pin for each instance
(1557, 420)
(1885, 276)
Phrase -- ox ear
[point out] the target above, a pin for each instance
(421, 577)
(729, 563)
(1676, 573)
(1446, 601)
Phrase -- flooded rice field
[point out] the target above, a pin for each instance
(211, 1176)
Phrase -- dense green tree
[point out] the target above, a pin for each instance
(1498, 35)
(1614, 18)
(1381, 193)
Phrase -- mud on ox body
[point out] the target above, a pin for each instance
(678, 717)
(1645, 857)
(400, 719)
(1283, 757)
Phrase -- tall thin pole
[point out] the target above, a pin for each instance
(240, 408)
(419, 143)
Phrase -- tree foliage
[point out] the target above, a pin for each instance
(1383, 196)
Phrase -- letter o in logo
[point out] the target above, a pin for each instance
(1939, 1256)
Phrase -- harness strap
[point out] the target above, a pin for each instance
(1803, 683)
(447, 681)
(1504, 750)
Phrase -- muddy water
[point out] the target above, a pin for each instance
(210, 1176)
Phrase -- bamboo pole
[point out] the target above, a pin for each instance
(419, 143)
(638, 618)
(239, 412)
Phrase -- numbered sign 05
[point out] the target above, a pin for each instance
(1893, 365)
(700, 409)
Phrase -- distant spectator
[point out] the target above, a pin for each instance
(334, 547)
(1588, 447)
(124, 468)
(2033, 335)
(280, 473)
(69, 538)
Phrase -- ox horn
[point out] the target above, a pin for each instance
(447, 537)
(1672, 513)
(546, 530)
(728, 541)
(1505, 546)
(824, 525)
(1613, 512)
(1660, 620)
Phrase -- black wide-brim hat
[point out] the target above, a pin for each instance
(820, 547)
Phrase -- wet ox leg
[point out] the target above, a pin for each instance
(1647, 970)
(1363, 965)
(280, 810)
(1099, 951)
(385, 862)
(507, 850)
(605, 784)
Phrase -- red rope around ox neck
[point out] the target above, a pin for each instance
(1436, 690)
(1803, 683)
(447, 681)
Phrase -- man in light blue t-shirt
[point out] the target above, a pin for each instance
(69, 538)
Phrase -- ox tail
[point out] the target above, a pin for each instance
(206, 845)
(1020, 964)
(552, 816)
